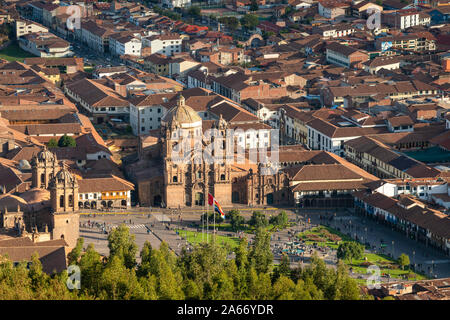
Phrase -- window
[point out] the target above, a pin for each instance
(175, 179)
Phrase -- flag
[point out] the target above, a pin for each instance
(213, 202)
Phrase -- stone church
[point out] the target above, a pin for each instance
(186, 181)
(55, 192)
(301, 177)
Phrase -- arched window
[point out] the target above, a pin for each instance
(222, 177)
(70, 200)
(61, 201)
(175, 179)
(43, 179)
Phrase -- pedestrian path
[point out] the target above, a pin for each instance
(136, 226)
(161, 217)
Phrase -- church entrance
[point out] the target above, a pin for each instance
(199, 199)
(157, 201)
(235, 197)
(269, 198)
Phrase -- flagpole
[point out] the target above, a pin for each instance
(203, 228)
(214, 223)
(207, 222)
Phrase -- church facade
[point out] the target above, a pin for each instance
(179, 177)
(59, 217)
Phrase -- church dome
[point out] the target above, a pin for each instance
(182, 115)
(12, 202)
(24, 165)
(35, 195)
(64, 176)
(45, 155)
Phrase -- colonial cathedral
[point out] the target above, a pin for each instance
(51, 211)
(186, 180)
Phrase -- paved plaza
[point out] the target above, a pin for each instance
(160, 226)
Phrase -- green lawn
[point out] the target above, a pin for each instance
(323, 235)
(194, 237)
(226, 227)
(315, 234)
(14, 53)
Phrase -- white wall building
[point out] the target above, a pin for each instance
(166, 44)
(127, 45)
(176, 3)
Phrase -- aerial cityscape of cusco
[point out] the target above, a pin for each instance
(225, 150)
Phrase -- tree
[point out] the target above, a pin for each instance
(212, 216)
(121, 243)
(74, 255)
(118, 282)
(146, 255)
(350, 250)
(194, 11)
(235, 219)
(261, 256)
(232, 23)
(66, 141)
(281, 220)
(287, 11)
(91, 268)
(254, 5)
(283, 289)
(259, 285)
(268, 34)
(258, 220)
(403, 260)
(242, 254)
(52, 143)
(283, 269)
(250, 21)
(206, 272)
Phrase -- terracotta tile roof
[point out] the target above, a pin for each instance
(434, 221)
(52, 254)
(400, 121)
(48, 128)
(111, 183)
(96, 94)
